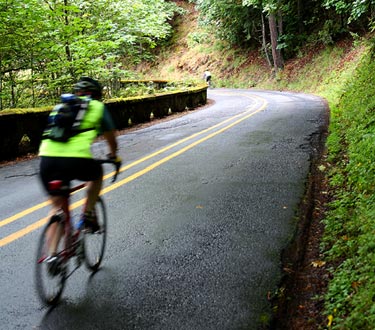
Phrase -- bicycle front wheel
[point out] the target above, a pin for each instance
(94, 242)
(50, 269)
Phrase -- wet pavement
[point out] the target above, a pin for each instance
(197, 222)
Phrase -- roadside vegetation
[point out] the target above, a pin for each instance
(349, 242)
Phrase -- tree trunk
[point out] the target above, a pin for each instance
(280, 23)
(299, 15)
(67, 46)
(1, 84)
(13, 90)
(264, 41)
(276, 54)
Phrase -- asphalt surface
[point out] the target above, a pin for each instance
(202, 211)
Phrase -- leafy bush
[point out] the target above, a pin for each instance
(350, 226)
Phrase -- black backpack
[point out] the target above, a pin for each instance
(65, 119)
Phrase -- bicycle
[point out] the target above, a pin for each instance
(51, 272)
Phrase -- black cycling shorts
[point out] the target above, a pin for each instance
(67, 169)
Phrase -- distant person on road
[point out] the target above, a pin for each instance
(207, 77)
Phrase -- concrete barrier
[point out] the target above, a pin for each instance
(21, 129)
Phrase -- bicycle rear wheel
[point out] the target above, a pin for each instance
(50, 271)
(94, 243)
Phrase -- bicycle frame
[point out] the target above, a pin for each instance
(60, 241)
(69, 236)
(57, 185)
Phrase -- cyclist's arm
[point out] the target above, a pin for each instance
(112, 142)
(108, 130)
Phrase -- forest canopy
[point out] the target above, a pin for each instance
(47, 44)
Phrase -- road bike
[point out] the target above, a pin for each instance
(74, 242)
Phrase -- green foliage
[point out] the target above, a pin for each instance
(230, 20)
(55, 42)
(353, 10)
(197, 37)
(142, 88)
(350, 225)
(240, 22)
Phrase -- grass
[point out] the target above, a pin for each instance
(350, 224)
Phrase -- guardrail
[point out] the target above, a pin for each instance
(21, 129)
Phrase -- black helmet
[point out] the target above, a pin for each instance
(89, 86)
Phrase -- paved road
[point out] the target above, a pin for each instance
(202, 210)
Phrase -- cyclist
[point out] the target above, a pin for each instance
(207, 77)
(72, 160)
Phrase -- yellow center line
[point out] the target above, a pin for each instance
(23, 213)
(20, 233)
(177, 153)
(126, 167)
(10, 238)
(141, 160)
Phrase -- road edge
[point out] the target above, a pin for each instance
(298, 301)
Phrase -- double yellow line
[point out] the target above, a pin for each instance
(227, 124)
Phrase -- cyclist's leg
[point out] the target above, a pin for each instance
(209, 81)
(55, 232)
(89, 170)
(89, 211)
(52, 169)
(93, 190)
(73, 168)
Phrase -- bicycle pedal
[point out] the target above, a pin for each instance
(91, 231)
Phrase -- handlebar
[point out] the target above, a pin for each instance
(116, 163)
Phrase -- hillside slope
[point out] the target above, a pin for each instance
(192, 50)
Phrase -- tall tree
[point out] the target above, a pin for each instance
(272, 9)
(275, 20)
